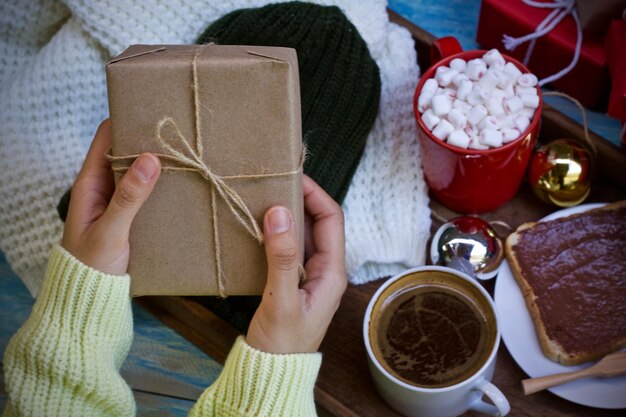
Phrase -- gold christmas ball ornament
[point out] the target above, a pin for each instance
(560, 172)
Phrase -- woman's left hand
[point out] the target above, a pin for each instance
(100, 214)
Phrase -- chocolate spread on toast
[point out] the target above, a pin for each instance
(576, 267)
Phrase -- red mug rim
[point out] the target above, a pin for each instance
(474, 52)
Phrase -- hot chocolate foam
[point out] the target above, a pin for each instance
(433, 336)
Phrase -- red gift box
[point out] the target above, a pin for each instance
(588, 81)
(615, 43)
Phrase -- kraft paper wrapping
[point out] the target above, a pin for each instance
(249, 118)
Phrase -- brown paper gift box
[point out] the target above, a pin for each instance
(248, 102)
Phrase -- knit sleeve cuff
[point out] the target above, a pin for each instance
(262, 384)
(94, 303)
(65, 358)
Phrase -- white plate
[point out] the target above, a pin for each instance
(518, 334)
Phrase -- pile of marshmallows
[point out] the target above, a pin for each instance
(480, 104)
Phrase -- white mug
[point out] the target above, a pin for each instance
(449, 401)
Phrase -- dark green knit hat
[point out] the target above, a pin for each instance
(339, 80)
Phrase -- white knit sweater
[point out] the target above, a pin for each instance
(53, 96)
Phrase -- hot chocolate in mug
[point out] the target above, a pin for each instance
(470, 180)
(431, 334)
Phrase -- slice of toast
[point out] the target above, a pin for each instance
(572, 274)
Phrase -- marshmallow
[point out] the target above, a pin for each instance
(509, 91)
(471, 131)
(507, 121)
(512, 71)
(530, 100)
(476, 69)
(498, 93)
(521, 123)
(494, 106)
(445, 76)
(430, 86)
(459, 138)
(461, 105)
(430, 119)
(503, 80)
(424, 101)
(489, 122)
(440, 70)
(520, 91)
(497, 66)
(527, 80)
(464, 89)
(457, 118)
(489, 81)
(476, 114)
(450, 93)
(492, 56)
(458, 79)
(443, 129)
(477, 96)
(509, 135)
(475, 144)
(458, 64)
(441, 104)
(513, 105)
(491, 137)
(528, 112)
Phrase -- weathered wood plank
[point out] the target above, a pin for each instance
(192, 320)
(158, 351)
(16, 303)
(150, 405)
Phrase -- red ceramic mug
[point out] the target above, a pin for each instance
(468, 180)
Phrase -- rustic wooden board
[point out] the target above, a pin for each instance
(344, 387)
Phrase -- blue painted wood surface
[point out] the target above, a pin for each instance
(459, 18)
(157, 351)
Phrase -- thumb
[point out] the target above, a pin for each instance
(281, 248)
(130, 193)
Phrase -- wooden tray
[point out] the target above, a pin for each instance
(344, 387)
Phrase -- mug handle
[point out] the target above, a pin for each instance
(501, 405)
(443, 48)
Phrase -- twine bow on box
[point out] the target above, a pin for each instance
(190, 159)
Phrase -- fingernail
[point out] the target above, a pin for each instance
(279, 220)
(145, 167)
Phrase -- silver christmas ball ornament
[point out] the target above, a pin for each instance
(469, 244)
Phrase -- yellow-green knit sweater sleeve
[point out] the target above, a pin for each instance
(255, 383)
(65, 360)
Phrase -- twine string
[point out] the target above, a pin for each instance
(194, 161)
(582, 111)
(190, 160)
